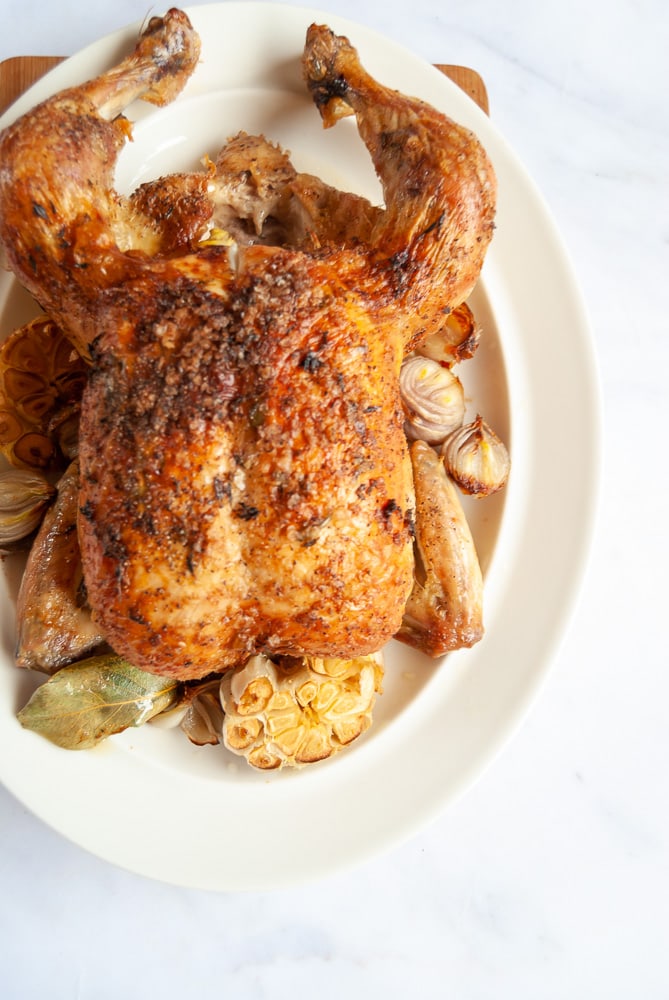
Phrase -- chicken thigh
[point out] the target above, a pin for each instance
(245, 483)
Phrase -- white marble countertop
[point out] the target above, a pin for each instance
(550, 877)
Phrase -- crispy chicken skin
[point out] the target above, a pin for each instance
(245, 481)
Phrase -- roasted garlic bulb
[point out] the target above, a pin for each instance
(433, 399)
(476, 459)
(24, 497)
(298, 711)
(41, 380)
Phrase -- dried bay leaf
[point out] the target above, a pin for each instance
(82, 704)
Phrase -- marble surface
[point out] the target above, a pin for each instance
(550, 877)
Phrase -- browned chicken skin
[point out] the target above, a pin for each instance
(245, 480)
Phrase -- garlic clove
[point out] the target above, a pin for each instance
(476, 459)
(65, 430)
(24, 497)
(433, 399)
(202, 721)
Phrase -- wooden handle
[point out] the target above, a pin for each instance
(468, 80)
(19, 73)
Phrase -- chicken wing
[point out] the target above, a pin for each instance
(245, 483)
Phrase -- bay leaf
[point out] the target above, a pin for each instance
(83, 703)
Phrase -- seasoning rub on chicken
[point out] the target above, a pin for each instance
(245, 481)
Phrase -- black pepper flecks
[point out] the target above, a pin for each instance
(246, 512)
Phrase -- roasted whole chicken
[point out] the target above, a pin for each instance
(245, 481)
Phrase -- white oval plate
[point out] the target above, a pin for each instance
(148, 800)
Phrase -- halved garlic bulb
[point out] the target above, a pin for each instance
(433, 399)
(41, 378)
(476, 459)
(299, 711)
